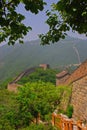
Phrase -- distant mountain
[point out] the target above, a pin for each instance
(15, 59)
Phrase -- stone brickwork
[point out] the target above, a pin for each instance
(44, 66)
(78, 79)
(80, 72)
(61, 77)
(13, 87)
(79, 99)
(61, 81)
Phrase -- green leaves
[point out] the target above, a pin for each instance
(45, 76)
(8, 110)
(34, 6)
(13, 28)
(35, 98)
(20, 109)
(39, 127)
(69, 14)
(41, 97)
(11, 22)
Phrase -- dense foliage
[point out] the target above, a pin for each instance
(8, 110)
(18, 110)
(48, 75)
(66, 14)
(11, 22)
(38, 97)
(39, 127)
(69, 111)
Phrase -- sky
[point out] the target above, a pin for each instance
(37, 22)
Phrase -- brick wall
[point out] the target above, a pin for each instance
(79, 99)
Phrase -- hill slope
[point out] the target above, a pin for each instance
(15, 59)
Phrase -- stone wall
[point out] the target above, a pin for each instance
(80, 72)
(61, 81)
(44, 66)
(13, 87)
(79, 99)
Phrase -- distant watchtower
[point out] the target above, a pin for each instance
(61, 77)
(44, 66)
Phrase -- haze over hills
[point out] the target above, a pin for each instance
(15, 59)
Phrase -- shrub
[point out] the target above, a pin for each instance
(45, 76)
(39, 127)
(69, 111)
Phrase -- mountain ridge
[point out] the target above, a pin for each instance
(17, 58)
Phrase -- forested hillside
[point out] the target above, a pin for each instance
(17, 58)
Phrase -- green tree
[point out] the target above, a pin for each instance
(39, 74)
(11, 25)
(18, 110)
(65, 14)
(37, 97)
(40, 97)
(8, 110)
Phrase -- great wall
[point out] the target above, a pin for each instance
(78, 80)
(12, 86)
